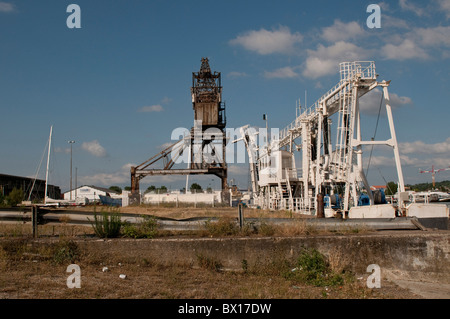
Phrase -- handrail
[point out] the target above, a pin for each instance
(348, 71)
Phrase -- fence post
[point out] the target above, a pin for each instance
(240, 215)
(320, 206)
(34, 220)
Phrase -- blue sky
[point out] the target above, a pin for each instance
(120, 84)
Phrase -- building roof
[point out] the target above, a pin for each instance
(378, 186)
(102, 189)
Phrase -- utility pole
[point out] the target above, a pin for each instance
(71, 142)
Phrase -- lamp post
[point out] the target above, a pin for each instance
(71, 142)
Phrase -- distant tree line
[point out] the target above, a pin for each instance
(443, 186)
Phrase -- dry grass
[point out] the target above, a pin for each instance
(35, 272)
(37, 269)
(226, 225)
(189, 212)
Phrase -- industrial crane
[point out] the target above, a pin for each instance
(433, 173)
(327, 169)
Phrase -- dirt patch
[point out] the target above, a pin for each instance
(428, 285)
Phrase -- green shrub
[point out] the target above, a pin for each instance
(148, 228)
(222, 227)
(107, 225)
(312, 268)
(15, 197)
(64, 252)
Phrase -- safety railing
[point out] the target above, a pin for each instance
(348, 70)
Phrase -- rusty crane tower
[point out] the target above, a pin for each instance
(203, 147)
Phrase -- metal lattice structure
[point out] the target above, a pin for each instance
(327, 168)
(203, 149)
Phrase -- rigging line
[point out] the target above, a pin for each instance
(37, 171)
(387, 184)
(375, 133)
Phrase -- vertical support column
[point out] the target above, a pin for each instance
(305, 161)
(394, 139)
(350, 182)
(318, 169)
(359, 153)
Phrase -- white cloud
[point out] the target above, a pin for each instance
(6, 7)
(408, 6)
(410, 161)
(408, 49)
(108, 179)
(341, 31)
(151, 108)
(433, 36)
(236, 74)
(325, 60)
(398, 101)
(418, 43)
(267, 42)
(94, 148)
(166, 100)
(390, 22)
(425, 163)
(281, 73)
(370, 103)
(380, 161)
(238, 170)
(444, 6)
(421, 147)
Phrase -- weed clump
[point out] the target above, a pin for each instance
(222, 227)
(64, 251)
(311, 267)
(147, 228)
(209, 263)
(107, 225)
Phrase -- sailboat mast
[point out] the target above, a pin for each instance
(48, 161)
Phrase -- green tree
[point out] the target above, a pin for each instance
(15, 197)
(151, 188)
(391, 188)
(162, 189)
(2, 199)
(116, 189)
(196, 188)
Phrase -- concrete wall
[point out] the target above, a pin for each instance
(417, 251)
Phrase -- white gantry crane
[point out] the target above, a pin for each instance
(331, 165)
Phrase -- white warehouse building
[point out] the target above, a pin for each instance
(178, 197)
(91, 193)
